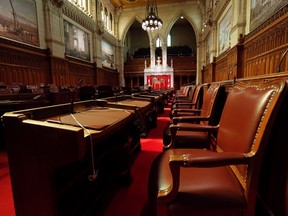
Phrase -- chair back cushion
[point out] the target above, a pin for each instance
(209, 100)
(191, 92)
(246, 116)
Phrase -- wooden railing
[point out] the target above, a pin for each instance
(186, 64)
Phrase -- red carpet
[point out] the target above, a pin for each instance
(128, 200)
(6, 197)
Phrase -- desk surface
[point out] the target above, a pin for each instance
(97, 118)
(132, 102)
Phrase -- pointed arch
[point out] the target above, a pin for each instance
(187, 17)
(158, 42)
(169, 41)
(127, 27)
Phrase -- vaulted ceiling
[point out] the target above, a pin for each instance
(136, 3)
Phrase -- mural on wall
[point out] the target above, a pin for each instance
(107, 55)
(77, 42)
(18, 21)
(262, 9)
(224, 31)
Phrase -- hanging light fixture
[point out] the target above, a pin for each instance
(152, 21)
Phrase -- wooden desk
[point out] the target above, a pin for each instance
(50, 162)
(144, 107)
(157, 100)
(12, 105)
(160, 98)
(8, 105)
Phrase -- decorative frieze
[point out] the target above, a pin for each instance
(78, 16)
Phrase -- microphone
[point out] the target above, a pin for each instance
(117, 94)
(72, 97)
(282, 58)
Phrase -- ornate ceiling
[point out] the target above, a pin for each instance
(136, 3)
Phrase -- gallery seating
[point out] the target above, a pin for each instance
(225, 181)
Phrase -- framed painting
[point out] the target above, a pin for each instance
(77, 42)
(224, 31)
(18, 21)
(261, 10)
(107, 55)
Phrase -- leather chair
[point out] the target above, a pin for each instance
(222, 182)
(183, 92)
(187, 97)
(209, 114)
(192, 103)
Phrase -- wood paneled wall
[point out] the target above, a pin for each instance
(70, 71)
(263, 48)
(22, 64)
(107, 77)
(208, 73)
(257, 53)
(184, 70)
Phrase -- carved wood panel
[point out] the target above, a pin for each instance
(22, 64)
(258, 53)
(264, 47)
(107, 77)
(69, 72)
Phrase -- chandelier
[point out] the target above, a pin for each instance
(152, 21)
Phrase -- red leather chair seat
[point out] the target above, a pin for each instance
(209, 191)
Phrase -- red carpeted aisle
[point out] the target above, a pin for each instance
(6, 197)
(128, 200)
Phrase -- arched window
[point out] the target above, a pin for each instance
(110, 22)
(169, 40)
(158, 42)
(102, 12)
(106, 21)
(84, 5)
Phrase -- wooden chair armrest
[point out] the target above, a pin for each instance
(197, 158)
(193, 127)
(201, 158)
(189, 127)
(189, 119)
(184, 103)
(188, 110)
